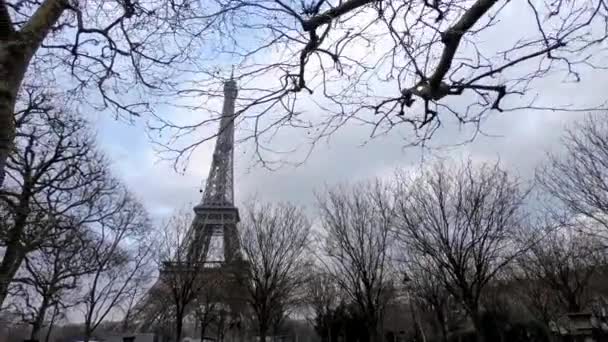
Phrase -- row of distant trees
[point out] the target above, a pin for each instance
(77, 243)
(468, 244)
(378, 63)
(459, 245)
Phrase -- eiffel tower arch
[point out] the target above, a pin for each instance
(212, 243)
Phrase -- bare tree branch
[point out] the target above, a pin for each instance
(384, 64)
(54, 177)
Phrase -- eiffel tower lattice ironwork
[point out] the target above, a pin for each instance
(214, 224)
(216, 215)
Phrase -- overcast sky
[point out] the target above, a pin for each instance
(520, 139)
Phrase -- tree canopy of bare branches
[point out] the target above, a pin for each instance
(120, 257)
(51, 275)
(578, 178)
(464, 221)
(275, 238)
(323, 296)
(562, 265)
(386, 63)
(357, 222)
(105, 50)
(180, 288)
(55, 179)
(428, 293)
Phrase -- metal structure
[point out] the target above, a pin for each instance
(216, 215)
(212, 248)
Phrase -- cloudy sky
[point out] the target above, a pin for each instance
(520, 139)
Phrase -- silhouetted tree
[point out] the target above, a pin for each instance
(464, 219)
(207, 304)
(51, 274)
(429, 293)
(357, 222)
(55, 178)
(562, 264)
(121, 257)
(323, 297)
(182, 277)
(111, 48)
(275, 238)
(578, 177)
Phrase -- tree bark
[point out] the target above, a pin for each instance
(203, 328)
(441, 319)
(87, 332)
(51, 324)
(179, 322)
(12, 71)
(14, 253)
(16, 52)
(477, 323)
(263, 331)
(13, 258)
(38, 322)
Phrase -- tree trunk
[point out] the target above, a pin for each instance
(573, 303)
(11, 76)
(372, 328)
(14, 253)
(9, 266)
(51, 324)
(16, 52)
(203, 328)
(179, 324)
(444, 332)
(87, 332)
(441, 319)
(38, 322)
(263, 332)
(477, 323)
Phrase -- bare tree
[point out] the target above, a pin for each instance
(129, 307)
(387, 63)
(120, 259)
(55, 174)
(206, 306)
(578, 178)
(182, 278)
(428, 293)
(274, 238)
(110, 48)
(50, 274)
(357, 221)
(563, 263)
(464, 220)
(323, 297)
(329, 310)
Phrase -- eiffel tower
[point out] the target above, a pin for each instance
(212, 242)
(216, 215)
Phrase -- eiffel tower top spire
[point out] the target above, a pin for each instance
(219, 189)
